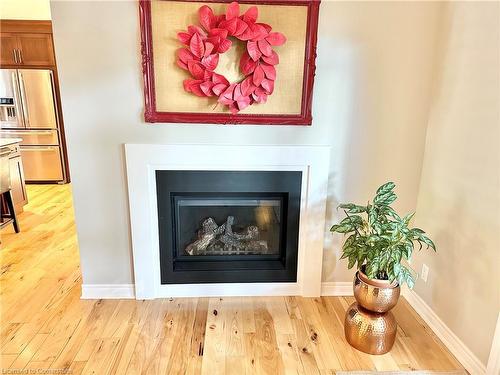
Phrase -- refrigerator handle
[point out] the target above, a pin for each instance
(39, 148)
(18, 99)
(32, 131)
(23, 101)
(54, 96)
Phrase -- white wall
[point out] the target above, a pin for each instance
(459, 197)
(25, 9)
(375, 63)
(370, 104)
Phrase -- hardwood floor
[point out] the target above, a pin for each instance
(45, 325)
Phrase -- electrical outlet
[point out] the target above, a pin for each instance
(424, 273)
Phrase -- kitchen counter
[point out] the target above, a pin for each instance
(11, 171)
(9, 141)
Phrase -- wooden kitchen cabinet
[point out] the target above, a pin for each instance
(11, 156)
(26, 43)
(36, 49)
(8, 48)
(17, 182)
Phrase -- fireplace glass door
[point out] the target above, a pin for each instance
(229, 225)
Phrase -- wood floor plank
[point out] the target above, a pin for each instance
(247, 313)
(37, 367)
(29, 351)
(147, 342)
(45, 325)
(269, 360)
(6, 360)
(75, 344)
(288, 348)
(199, 326)
(250, 344)
(351, 359)
(323, 350)
(95, 323)
(214, 339)
(302, 341)
(197, 344)
(402, 355)
(102, 357)
(233, 328)
(185, 317)
(305, 347)
(334, 329)
(175, 338)
(77, 367)
(132, 335)
(279, 313)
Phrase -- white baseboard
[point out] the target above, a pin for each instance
(461, 352)
(108, 291)
(336, 288)
(494, 360)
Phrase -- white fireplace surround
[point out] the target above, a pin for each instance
(143, 160)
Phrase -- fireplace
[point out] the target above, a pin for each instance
(228, 226)
(273, 188)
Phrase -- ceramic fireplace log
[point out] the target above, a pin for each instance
(221, 240)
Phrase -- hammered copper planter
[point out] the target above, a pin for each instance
(373, 298)
(370, 332)
(369, 326)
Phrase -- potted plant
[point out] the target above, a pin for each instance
(379, 243)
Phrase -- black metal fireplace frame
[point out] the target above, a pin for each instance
(174, 269)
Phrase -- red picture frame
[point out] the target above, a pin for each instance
(151, 115)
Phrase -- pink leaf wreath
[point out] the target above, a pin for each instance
(203, 45)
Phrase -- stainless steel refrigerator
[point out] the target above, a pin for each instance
(28, 110)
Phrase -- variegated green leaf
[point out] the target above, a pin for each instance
(342, 228)
(427, 241)
(353, 208)
(385, 188)
(352, 261)
(385, 199)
